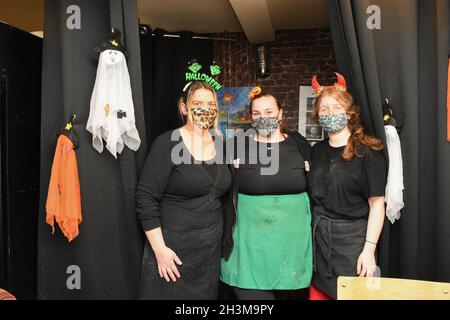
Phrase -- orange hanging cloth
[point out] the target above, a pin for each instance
(64, 200)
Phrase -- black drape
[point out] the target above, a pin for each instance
(406, 62)
(164, 64)
(109, 249)
(20, 109)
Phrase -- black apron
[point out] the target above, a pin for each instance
(337, 245)
(195, 235)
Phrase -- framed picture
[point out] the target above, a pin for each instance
(306, 126)
(234, 110)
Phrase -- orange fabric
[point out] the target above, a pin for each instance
(5, 295)
(448, 102)
(316, 294)
(63, 200)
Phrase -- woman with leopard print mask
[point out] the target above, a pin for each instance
(180, 201)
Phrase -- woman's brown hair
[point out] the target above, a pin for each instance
(283, 128)
(358, 137)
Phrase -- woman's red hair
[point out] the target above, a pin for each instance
(358, 136)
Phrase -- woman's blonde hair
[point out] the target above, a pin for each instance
(186, 99)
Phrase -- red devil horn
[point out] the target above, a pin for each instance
(315, 85)
(341, 81)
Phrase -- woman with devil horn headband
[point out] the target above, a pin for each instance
(348, 181)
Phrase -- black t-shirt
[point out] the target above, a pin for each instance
(290, 177)
(168, 191)
(342, 188)
(211, 168)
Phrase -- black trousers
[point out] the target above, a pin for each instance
(252, 294)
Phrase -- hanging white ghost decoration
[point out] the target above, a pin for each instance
(111, 116)
(394, 186)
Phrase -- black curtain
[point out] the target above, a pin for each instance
(164, 64)
(406, 62)
(20, 109)
(109, 248)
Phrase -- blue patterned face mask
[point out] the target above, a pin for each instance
(334, 123)
(265, 126)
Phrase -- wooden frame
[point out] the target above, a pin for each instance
(362, 288)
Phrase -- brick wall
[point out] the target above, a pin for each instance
(295, 56)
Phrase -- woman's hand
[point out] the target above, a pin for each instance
(366, 263)
(167, 268)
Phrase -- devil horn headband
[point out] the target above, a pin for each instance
(341, 84)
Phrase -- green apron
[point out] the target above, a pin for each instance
(272, 243)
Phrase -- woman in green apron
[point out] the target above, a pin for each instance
(271, 256)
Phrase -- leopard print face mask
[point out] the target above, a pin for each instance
(202, 117)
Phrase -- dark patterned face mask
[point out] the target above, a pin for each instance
(334, 123)
(202, 117)
(265, 126)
